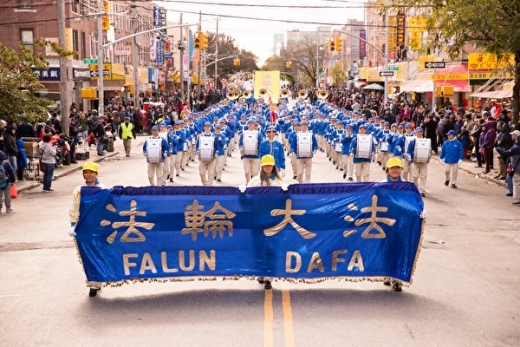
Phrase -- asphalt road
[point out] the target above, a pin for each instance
(464, 292)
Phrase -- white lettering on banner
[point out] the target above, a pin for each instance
(122, 50)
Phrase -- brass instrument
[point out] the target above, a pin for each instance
(302, 94)
(322, 94)
(246, 94)
(285, 93)
(262, 93)
(233, 94)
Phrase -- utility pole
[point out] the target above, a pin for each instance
(135, 56)
(386, 57)
(64, 70)
(181, 60)
(101, 94)
(216, 55)
(200, 57)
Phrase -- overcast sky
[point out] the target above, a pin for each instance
(244, 23)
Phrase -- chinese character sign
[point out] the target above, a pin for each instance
(351, 231)
(270, 81)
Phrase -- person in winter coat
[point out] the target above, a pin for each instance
(451, 156)
(504, 141)
(486, 143)
(514, 153)
(5, 187)
(10, 145)
(21, 159)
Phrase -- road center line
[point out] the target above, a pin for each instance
(287, 318)
(268, 318)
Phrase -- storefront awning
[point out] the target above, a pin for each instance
(495, 94)
(417, 86)
(359, 84)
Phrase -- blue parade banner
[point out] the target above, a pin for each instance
(352, 231)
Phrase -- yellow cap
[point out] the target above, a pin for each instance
(91, 166)
(267, 160)
(393, 162)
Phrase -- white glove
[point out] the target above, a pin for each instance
(442, 161)
(423, 214)
(284, 187)
(242, 188)
(282, 172)
(460, 162)
(72, 231)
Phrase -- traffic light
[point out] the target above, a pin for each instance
(197, 39)
(203, 40)
(339, 44)
(176, 77)
(288, 64)
(236, 62)
(332, 44)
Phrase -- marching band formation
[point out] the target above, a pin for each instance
(352, 140)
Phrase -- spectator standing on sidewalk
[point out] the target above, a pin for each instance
(514, 153)
(486, 144)
(451, 157)
(7, 177)
(504, 141)
(48, 154)
(99, 134)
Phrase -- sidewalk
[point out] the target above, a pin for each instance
(63, 170)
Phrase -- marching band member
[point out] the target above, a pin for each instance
(362, 148)
(181, 139)
(155, 149)
(275, 148)
(220, 153)
(207, 146)
(249, 144)
(291, 137)
(172, 145)
(385, 141)
(304, 146)
(419, 153)
(346, 153)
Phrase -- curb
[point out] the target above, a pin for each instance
(65, 172)
(481, 176)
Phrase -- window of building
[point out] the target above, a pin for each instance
(27, 38)
(76, 6)
(24, 4)
(83, 45)
(75, 43)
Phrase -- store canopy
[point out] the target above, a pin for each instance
(495, 94)
(417, 86)
(374, 86)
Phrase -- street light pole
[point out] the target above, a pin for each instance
(317, 61)
(386, 58)
(101, 95)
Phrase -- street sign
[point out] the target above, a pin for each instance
(393, 68)
(434, 65)
(95, 73)
(89, 61)
(386, 73)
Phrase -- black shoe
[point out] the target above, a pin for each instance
(350, 179)
(509, 194)
(341, 169)
(397, 287)
(168, 177)
(423, 195)
(74, 162)
(219, 180)
(294, 177)
(501, 178)
(214, 177)
(182, 169)
(485, 172)
(446, 183)
(496, 177)
(453, 186)
(387, 283)
(268, 285)
(516, 203)
(261, 280)
(171, 179)
(100, 154)
(379, 163)
(128, 155)
(92, 292)
(344, 175)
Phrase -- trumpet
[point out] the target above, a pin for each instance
(285, 93)
(322, 94)
(302, 94)
(246, 94)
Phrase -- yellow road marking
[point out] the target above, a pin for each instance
(268, 318)
(287, 318)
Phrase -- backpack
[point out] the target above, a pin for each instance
(3, 176)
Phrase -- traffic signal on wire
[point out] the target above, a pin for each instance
(203, 40)
(236, 62)
(332, 44)
(339, 44)
(288, 64)
(197, 39)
